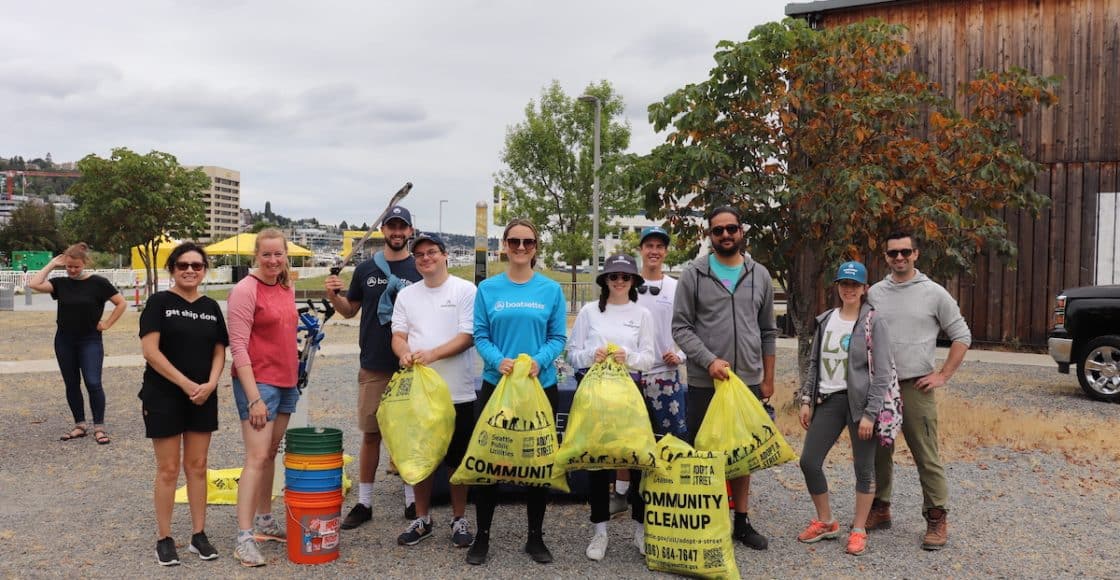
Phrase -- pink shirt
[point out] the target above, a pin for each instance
(262, 331)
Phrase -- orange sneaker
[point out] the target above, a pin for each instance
(857, 543)
(819, 530)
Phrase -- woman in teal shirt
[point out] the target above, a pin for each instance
(518, 311)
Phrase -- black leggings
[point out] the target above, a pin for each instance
(599, 482)
(486, 497)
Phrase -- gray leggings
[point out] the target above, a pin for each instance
(829, 419)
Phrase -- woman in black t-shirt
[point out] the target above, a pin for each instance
(77, 342)
(183, 335)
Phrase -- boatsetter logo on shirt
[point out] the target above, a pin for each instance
(503, 304)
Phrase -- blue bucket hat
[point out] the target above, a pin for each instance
(851, 271)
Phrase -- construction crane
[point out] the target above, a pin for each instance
(10, 177)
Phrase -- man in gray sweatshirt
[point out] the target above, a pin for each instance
(915, 309)
(723, 321)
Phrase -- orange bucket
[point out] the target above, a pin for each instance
(313, 462)
(314, 520)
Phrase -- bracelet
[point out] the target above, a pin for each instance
(253, 403)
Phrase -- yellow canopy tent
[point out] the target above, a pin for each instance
(165, 246)
(243, 244)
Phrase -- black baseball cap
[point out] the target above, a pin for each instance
(426, 237)
(398, 213)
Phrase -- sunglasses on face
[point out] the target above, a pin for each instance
(616, 277)
(653, 290)
(731, 230)
(432, 253)
(906, 252)
(521, 242)
(196, 266)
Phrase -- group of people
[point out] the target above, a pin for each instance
(717, 319)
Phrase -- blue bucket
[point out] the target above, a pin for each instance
(312, 480)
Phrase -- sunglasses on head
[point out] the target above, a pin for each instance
(615, 277)
(653, 290)
(521, 242)
(731, 230)
(906, 252)
(196, 266)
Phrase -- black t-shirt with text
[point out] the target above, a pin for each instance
(81, 303)
(188, 332)
(374, 338)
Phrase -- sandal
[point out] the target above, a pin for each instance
(77, 432)
(101, 437)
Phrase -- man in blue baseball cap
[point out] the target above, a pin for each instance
(389, 269)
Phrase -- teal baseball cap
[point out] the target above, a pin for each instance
(653, 231)
(853, 271)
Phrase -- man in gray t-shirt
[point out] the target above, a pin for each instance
(916, 309)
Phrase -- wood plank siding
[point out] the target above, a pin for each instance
(1078, 140)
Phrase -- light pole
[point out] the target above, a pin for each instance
(441, 202)
(595, 189)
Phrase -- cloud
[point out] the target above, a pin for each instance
(31, 81)
(668, 43)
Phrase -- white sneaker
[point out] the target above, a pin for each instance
(598, 547)
(249, 554)
(640, 538)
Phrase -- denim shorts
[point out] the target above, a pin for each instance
(275, 399)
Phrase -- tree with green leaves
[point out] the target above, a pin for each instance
(32, 226)
(132, 200)
(826, 144)
(549, 169)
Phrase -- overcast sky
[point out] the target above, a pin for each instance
(327, 108)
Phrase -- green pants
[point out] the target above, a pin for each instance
(919, 427)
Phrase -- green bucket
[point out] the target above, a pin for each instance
(313, 440)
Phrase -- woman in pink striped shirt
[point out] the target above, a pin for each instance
(262, 340)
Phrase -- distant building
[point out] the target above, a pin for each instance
(223, 203)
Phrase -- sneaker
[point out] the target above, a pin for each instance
(479, 548)
(598, 547)
(165, 552)
(417, 530)
(359, 514)
(461, 533)
(536, 549)
(857, 543)
(937, 529)
(200, 545)
(748, 536)
(640, 538)
(618, 503)
(249, 553)
(410, 511)
(880, 516)
(818, 531)
(270, 532)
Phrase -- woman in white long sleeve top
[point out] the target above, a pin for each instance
(615, 319)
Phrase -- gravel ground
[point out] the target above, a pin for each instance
(79, 509)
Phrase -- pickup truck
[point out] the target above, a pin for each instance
(1086, 333)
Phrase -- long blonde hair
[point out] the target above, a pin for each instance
(275, 234)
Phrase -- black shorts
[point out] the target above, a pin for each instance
(461, 438)
(170, 416)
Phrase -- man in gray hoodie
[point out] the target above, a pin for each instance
(723, 321)
(916, 309)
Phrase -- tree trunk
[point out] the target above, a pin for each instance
(804, 294)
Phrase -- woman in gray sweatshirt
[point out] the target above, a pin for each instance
(839, 392)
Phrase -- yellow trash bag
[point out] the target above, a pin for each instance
(514, 440)
(737, 424)
(608, 425)
(688, 530)
(221, 485)
(417, 419)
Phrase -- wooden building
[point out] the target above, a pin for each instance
(1074, 242)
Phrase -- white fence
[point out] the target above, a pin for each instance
(126, 278)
